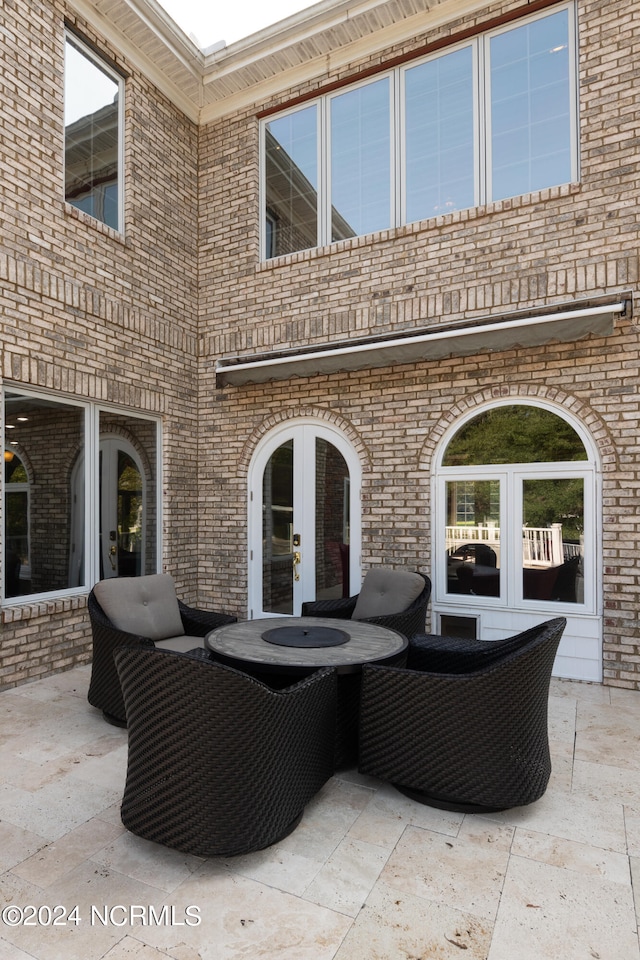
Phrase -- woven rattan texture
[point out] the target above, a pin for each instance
(409, 622)
(104, 687)
(475, 738)
(220, 764)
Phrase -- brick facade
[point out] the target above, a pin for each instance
(139, 323)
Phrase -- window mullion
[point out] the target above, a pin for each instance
(397, 214)
(324, 179)
(92, 494)
(482, 140)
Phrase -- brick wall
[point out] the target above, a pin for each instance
(565, 244)
(91, 313)
(138, 321)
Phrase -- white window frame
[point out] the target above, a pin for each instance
(91, 425)
(397, 75)
(511, 477)
(101, 64)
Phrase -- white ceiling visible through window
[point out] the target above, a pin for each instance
(211, 24)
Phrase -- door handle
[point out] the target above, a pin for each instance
(112, 553)
(296, 562)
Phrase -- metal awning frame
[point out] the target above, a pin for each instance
(534, 328)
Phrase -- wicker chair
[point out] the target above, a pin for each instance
(219, 763)
(171, 624)
(386, 585)
(464, 725)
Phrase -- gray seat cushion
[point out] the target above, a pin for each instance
(145, 606)
(385, 591)
(181, 644)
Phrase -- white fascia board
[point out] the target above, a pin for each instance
(358, 50)
(105, 26)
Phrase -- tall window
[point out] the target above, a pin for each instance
(80, 494)
(93, 137)
(517, 496)
(491, 118)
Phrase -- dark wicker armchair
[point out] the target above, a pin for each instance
(149, 607)
(387, 588)
(219, 763)
(464, 725)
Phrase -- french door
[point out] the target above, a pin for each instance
(304, 520)
(122, 510)
(517, 531)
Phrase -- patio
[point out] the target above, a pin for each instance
(368, 874)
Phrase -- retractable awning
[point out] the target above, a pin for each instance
(563, 325)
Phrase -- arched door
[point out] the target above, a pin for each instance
(122, 509)
(516, 532)
(304, 519)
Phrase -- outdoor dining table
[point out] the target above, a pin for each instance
(280, 649)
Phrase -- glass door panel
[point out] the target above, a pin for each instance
(332, 522)
(472, 537)
(128, 529)
(553, 539)
(304, 532)
(277, 532)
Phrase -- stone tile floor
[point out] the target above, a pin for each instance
(368, 874)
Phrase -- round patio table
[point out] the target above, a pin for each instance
(279, 660)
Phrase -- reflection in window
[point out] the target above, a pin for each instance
(332, 522)
(473, 537)
(531, 107)
(514, 434)
(16, 539)
(491, 119)
(277, 531)
(439, 138)
(552, 539)
(92, 135)
(291, 182)
(533, 462)
(50, 434)
(360, 161)
(47, 524)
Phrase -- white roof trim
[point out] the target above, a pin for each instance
(460, 340)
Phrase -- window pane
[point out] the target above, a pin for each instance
(473, 537)
(91, 137)
(514, 434)
(17, 564)
(439, 140)
(552, 539)
(332, 522)
(291, 187)
(530, 107)
(41, 524)
(128, 523)
(361, 161)
(277, 531)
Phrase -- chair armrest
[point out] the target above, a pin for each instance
(437, 654)
(340, 609)
(197, 623)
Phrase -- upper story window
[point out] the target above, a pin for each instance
(93, 134)
(488, 119)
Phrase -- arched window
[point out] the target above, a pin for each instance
(516, 520)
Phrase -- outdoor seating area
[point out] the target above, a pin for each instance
(139, 611)
(368, 873)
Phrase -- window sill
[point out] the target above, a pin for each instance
(26, 609)
(422, 226)
(89, 221)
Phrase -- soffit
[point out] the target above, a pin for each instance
(207, 85)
